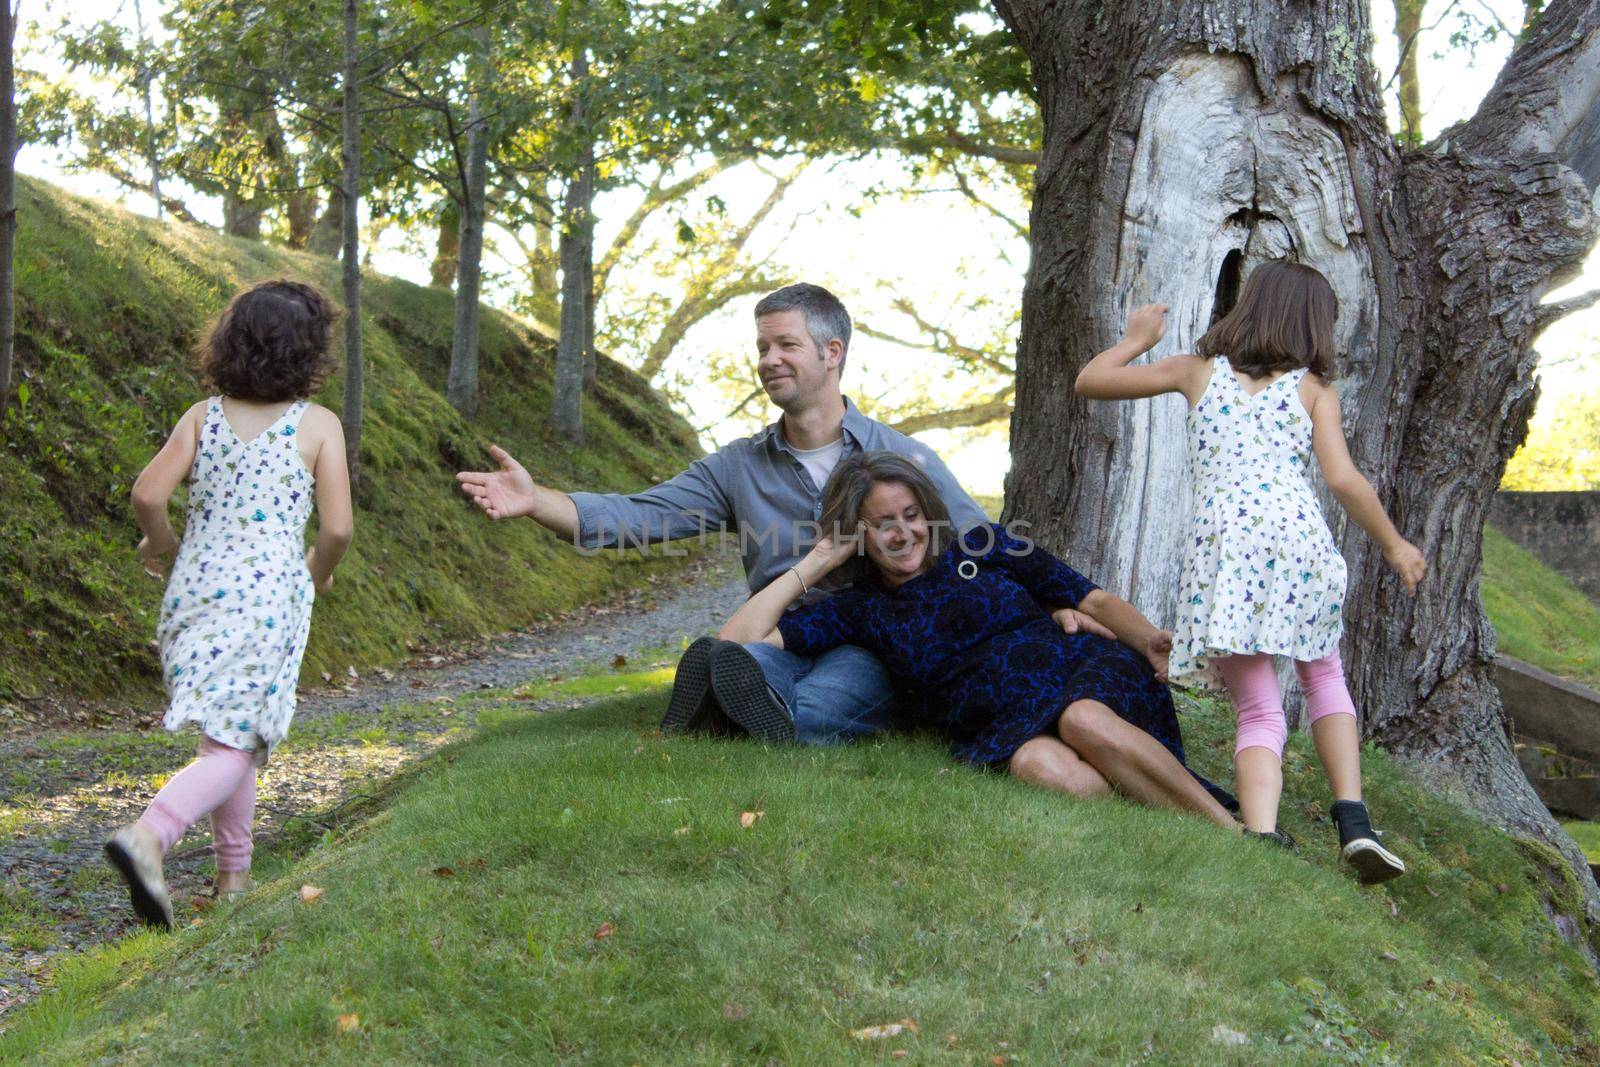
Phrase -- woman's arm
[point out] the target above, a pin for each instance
(1354, 492)
(1108, 376)
(757, 618)
(154, 487)
(1131, 628)
(336, 526)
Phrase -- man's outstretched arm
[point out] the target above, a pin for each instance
(510, 493)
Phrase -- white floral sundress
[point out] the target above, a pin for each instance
(237, 609)
(1261, 572)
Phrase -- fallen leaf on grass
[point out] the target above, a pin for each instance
(1390, 956)
(443, 872)
(349, 1024)
(199, 903)
(748, 819)
(899, 1054)
(1225, 1035)
(351, 671)
(951, 1039)
(734, 1013)
(326, 677)
(877, 1033)
(1394, 910)
(605, 931)
(310, 893)
(680, 831)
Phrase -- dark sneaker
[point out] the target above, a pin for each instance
(139, 862)
(691, 708)
(741, 689)
(1359, 846)
(1279, 837)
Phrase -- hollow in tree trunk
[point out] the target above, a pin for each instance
(1186, 142)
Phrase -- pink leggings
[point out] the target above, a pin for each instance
(1253, 685)
(221, 781)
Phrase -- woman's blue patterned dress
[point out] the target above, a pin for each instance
(974, 633)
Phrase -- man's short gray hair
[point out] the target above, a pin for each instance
(826, 318)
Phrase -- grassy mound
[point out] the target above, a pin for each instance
(1540, 617)
(572, 887)
(109, 308)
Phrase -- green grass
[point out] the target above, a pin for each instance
(1587, 835)
(1540, 617)
(109, 307)
(572, 887)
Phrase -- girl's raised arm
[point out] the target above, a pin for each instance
(1354, 493)
(156, 484)
(1108, 376)
(336, 525)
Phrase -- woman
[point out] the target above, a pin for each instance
(971, 624)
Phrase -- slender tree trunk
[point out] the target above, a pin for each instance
(461, 389)
(577, 243)
(149, 111)
(8, 196)
(1408, 39)
(544, 265)
(1184, 143)
(327, 236)
(447, 249)
(591, 362)
(350, 211)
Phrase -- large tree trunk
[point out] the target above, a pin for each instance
(241, 216)
(350, 210)
(300, 208)
(461, 388)
(1186, 142)
(8, 196)
(328, 234)
(577, 246)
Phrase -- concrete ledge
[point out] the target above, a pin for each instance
(1544, 707)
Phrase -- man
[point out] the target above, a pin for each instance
(768, 487)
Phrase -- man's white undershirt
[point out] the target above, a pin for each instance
(819, 462)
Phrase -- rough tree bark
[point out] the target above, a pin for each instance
(8, 196)
(461, 386)
(353, 410)
(1184, 142)
(328, 234)
(300, 208)
(577, 245)
(447, 249)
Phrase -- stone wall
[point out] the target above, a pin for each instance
(1561, 529)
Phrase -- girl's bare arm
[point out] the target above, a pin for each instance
(154, 487)
(1108, 376)
(335, 514)
(1354, 493)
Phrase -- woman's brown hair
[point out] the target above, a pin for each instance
(1283, 320)
(846, 492)
(270, 343)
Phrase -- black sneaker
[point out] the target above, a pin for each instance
(691, 708)
(741, 689)
(1279, 837)
(1359, 847)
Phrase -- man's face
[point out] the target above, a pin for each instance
(791, 369)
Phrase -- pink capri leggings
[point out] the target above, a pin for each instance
(220, 782)
(1253, 685)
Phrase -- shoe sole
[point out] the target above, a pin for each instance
(146, 904)
(691, 688)
(1372, 862)
(741, 690)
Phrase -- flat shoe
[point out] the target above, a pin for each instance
(741, 689)
(133, 858)
(691, 707)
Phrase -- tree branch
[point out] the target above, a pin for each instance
(981, 414)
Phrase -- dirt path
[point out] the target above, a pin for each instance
(62, 791)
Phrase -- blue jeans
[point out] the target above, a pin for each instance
(840, 695)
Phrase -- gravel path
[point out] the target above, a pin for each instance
(63, 791)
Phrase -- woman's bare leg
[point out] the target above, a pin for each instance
(1135, 763)
(1048, 763)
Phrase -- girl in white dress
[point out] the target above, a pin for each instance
(237, 609)
(1261, 573)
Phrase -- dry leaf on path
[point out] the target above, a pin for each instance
(748, 819)
(877, 1033)
(619, 661)
(309, 893)
(605, 931)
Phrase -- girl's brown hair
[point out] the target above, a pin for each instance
(271, 343)
(846, 493)
(1283, 320)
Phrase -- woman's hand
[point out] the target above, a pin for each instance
(1146, 326)
(1074, 621)
(1158, 650)
(1405, 559)
(152, 555)
(828, 554)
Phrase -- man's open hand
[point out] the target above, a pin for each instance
(503, 494)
